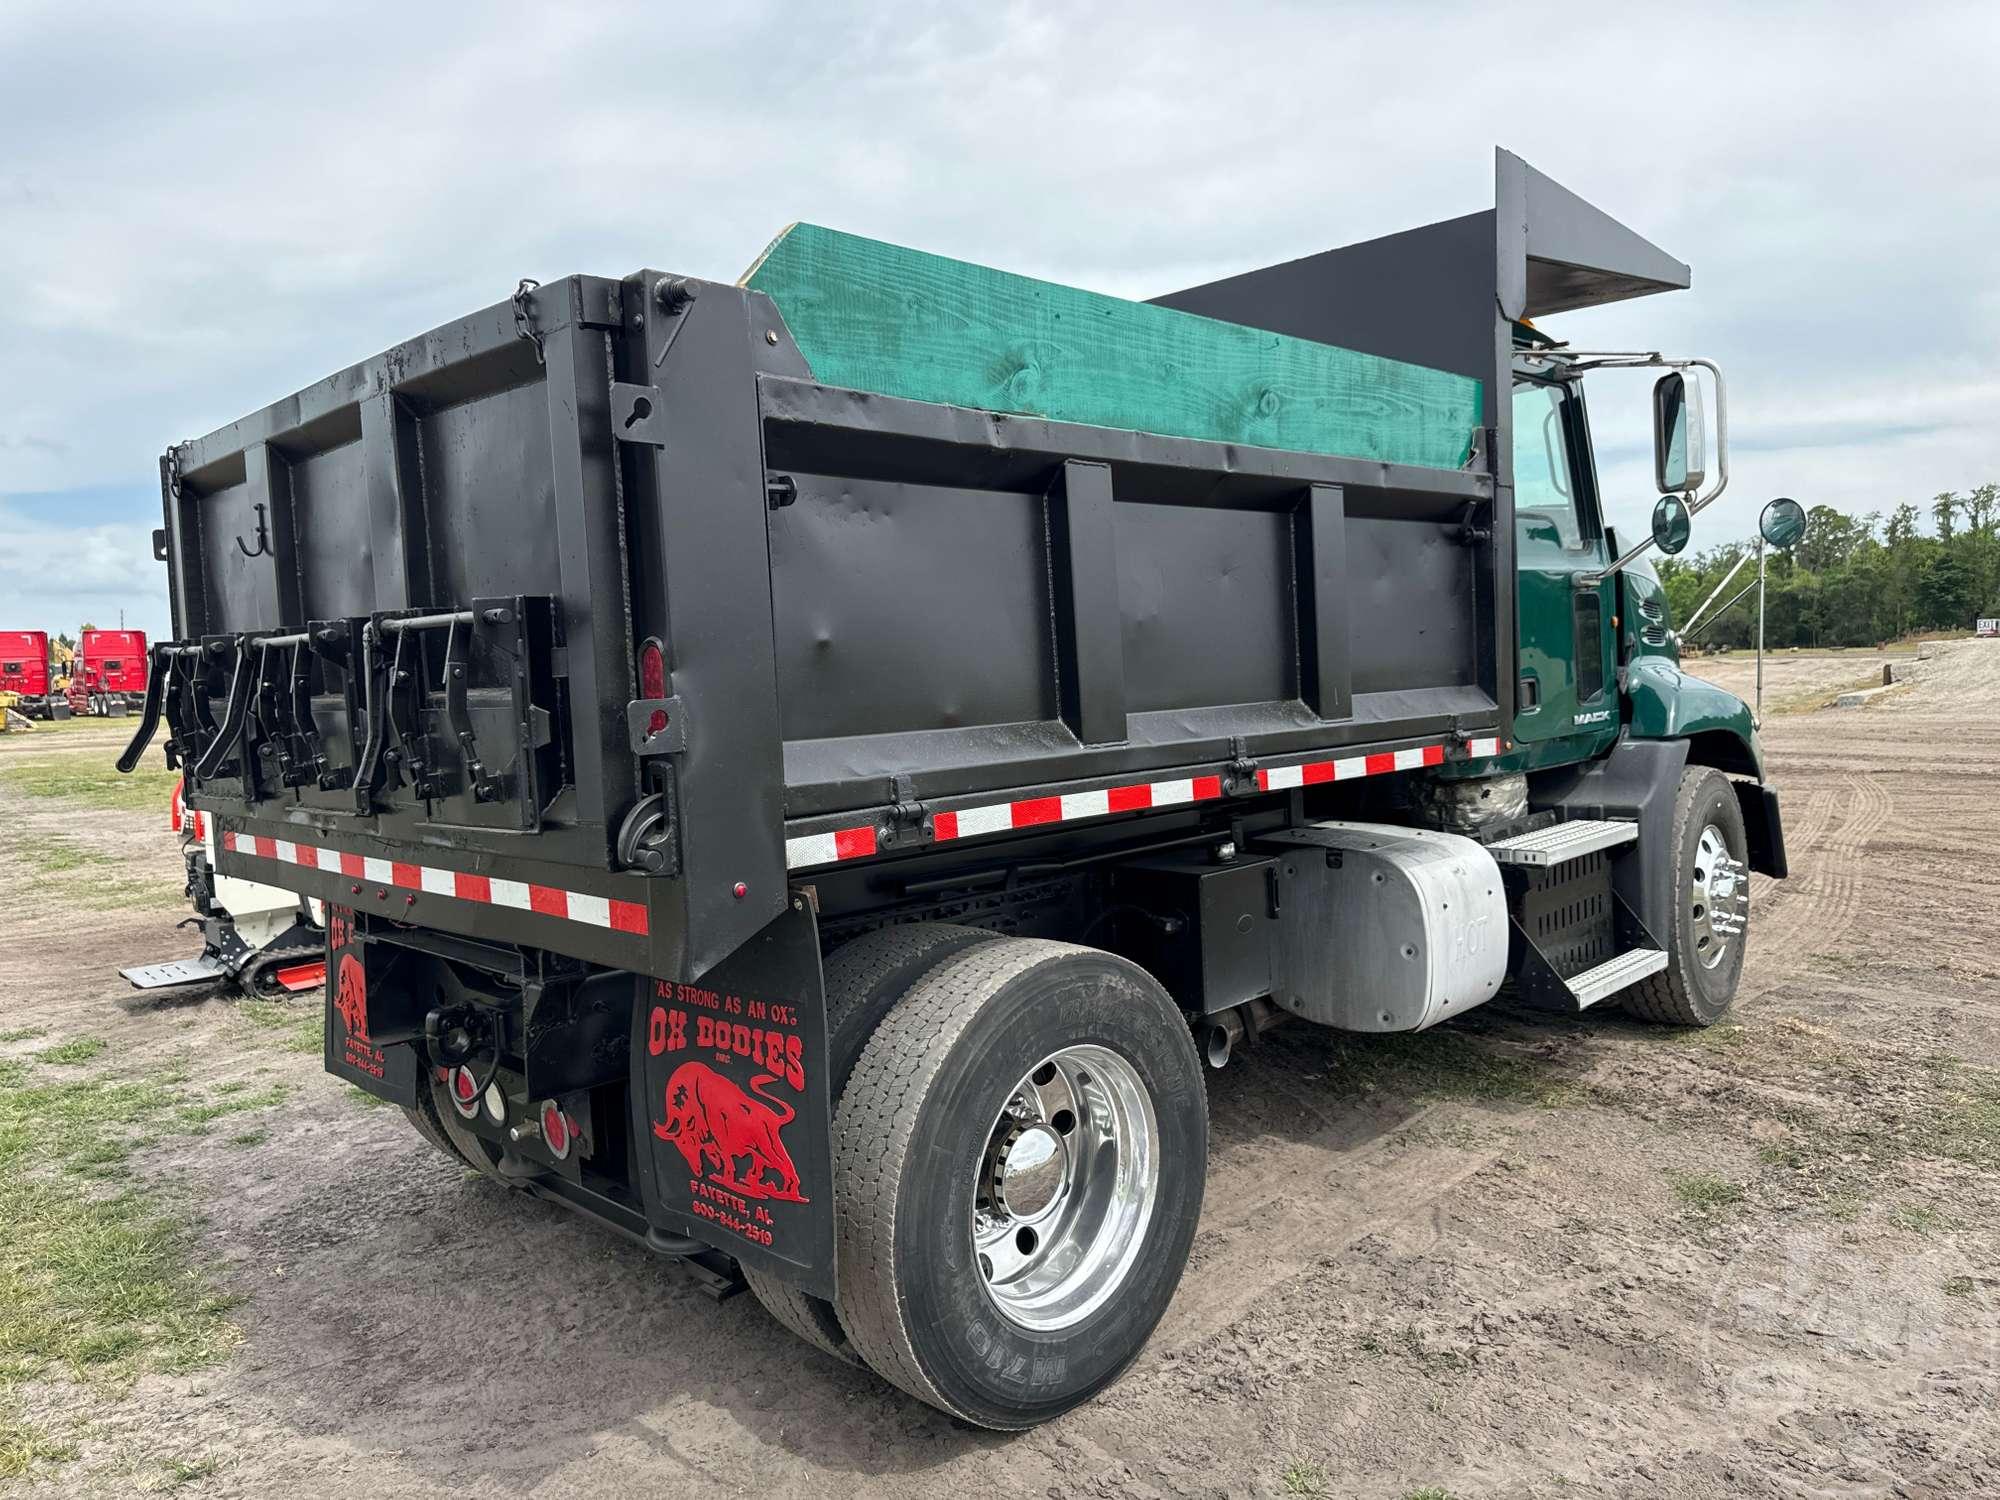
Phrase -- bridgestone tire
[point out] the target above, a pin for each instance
(864, 979)
(909, 1138)
(1684, 993)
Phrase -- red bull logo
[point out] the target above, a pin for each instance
(350, 997)
(732, 1135)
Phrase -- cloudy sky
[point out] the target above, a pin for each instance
(205, 207)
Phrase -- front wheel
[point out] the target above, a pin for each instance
(1019, 1159)
(1711, 926)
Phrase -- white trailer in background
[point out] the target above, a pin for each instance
(259, 938)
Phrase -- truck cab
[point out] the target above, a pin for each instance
(112, 665)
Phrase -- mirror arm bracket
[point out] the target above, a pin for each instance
(1696, 505)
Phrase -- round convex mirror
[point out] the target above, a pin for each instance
(1783, 523)
(1672, 524)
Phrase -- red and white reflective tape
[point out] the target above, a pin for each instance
(1002, 817)
(999, 817)
(829, 848)
(1474, 749)
(1349, 768)
(486, 890)
(1034, 812)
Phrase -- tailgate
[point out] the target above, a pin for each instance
(392, 592)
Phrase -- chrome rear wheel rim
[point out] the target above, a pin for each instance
(1066, 1188)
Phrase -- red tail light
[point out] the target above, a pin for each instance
(558, 1134)
(653, 682)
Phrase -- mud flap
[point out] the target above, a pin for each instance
(1763, 829)
(733, 1106)
(352, 1052)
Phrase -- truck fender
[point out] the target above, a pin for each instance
(1663, 703)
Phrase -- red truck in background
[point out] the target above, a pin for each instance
(111, 665)
(24, 663)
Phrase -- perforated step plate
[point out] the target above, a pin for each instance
(180, 971)
(1562, 841)
(1615, 974)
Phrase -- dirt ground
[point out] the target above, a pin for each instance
(1520, 1256)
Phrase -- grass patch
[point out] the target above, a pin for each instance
(1430, 1492)
(1917, 1218)
(250, 1138)
(1705, 1190)
(1711, 1038)
(24, 1034)
(89, 879)
(77, 1050)
(1855, 1154)
(175, 1472)
(118, 892)
(1440, 1065)
(89, 782)
(24, 1445)
(1304, 1476)
(57, 856)
(1968, 1128)
(94, 1281)
(193, 1115)
(295, 1028)
(1959, 1286)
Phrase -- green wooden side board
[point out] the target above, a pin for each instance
(874, 317)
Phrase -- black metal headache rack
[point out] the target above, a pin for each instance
(451, 715)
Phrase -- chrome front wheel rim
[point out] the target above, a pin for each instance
(1066, 1187)
(1719, 893)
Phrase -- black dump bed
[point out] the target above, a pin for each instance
(594, 621)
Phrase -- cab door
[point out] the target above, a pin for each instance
(1566, 662)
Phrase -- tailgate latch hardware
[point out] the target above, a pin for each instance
(646, 836)
(656, 726)
(638, 414)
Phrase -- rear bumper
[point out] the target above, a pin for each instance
(621, 921)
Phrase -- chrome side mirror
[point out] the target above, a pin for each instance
(1680, 464)
(1783, 523)
(1673, 524)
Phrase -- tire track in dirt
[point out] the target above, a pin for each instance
(1827, 895)
(1275, 1210)
(1774, 903)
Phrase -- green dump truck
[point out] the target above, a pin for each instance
(805, 772)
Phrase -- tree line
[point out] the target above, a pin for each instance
(1854, 580)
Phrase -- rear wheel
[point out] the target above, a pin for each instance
(1711, 927)
(423, 1115)
(1019, 1160)
(438, 1121)
(864, 979)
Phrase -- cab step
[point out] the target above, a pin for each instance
(1615, 974)
(1562, 842)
